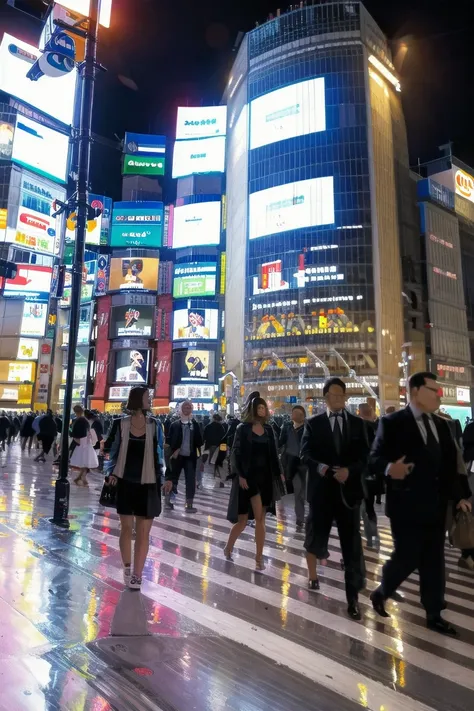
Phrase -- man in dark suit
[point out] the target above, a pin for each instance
(335, 449)
(416, 452)
(185, 441)
(373, 483)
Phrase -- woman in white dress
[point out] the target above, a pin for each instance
(84, 456)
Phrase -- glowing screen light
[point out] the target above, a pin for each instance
(197, 224)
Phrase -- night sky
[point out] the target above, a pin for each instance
(180, 52)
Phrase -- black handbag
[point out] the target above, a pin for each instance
(108, 495)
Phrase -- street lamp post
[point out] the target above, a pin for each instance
(87, 73)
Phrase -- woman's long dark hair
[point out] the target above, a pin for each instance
(135, 398)
(247, 405)
(251, 411)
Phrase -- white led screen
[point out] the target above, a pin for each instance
(40, 148)
(307, 203)
(202, 156)
(201, 122)
(288, 112)
(197, 224)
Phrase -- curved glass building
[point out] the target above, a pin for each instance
(316, 158)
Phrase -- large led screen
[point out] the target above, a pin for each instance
(133, 274)
(40, 148)
(36, 228)
(52, 95)
(194, 280)
(32, 283)
(131, 366)
(307, 203)
(89, 272)
(33, 322)
(197, 224)
(288, 112)
(202, 156)
(132, 321)
(193, 365)
(137, 224)
(201, 122)
(195, 324)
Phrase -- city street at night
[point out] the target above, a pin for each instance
(220, 635)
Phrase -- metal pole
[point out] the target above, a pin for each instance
(87, 73)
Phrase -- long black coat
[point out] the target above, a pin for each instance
(240, 462)
(424, 494)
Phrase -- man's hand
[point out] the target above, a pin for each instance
(175, 454)
(464, 506)
(168, 487)
(399, 469)
(243, 483)
(341, 474)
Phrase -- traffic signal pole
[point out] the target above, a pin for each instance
(87, 74)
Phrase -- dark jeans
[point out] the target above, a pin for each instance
(27, 440)
(47, 443)
(188, 464)
(419, 546)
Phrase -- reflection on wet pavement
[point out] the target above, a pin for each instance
(206, 634)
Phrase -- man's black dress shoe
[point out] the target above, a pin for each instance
(313, 585)
(378, 601)
(437, 624)
(353, 610)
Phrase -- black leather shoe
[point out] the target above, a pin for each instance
(353, 610)
(437, 624)
(313, 585)
(378, 601)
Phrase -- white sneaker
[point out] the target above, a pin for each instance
(135, 583)
(127, 574)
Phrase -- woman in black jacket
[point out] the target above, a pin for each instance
(257, 477)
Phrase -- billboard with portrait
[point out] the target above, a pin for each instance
(288, 112)
(137, 224)
(133, 274)
(53, 96)
(33, 322)
(306, 203)
(40, 148)
(131, 366)
(201, 122)
(197, 224)
(194, 280)
(195, 324)
(132, 321)
(206, 155)
(193, 364)
(32, 283)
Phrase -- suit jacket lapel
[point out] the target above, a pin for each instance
(414, 425)
(327, 431)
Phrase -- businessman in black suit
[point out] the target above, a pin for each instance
(416, 452)
(335, 449)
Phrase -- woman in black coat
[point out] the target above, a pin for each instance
(256, 477)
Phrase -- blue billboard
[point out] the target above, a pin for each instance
(137, 224)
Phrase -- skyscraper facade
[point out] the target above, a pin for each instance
(316, 160)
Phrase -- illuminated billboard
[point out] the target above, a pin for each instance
(7, 131)
(133, 274)
(36, 228)
(197, 224)
(131, 366)
(464, 184)
(194, 280)
(28, 349)
(307, 203)
(143, 165)
(40, 148)
(97, 230)
(32, 283)
(33, 322)
(201, 122)
(144, 154)
(82, 8)
(194, 391)
(195, 324)
(294, 110)
(52, 95)
(137, 224)
(206, 155)
(89, 272)
(193, 365)
(132, 321)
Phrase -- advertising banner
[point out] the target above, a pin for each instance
(36, 228)
(31, 283)
(102, 275)
(7, 131)
(98, 229)
(294, 110)
(193, 392)
(195, 324)
(201, 122)
(131, 274)
(33, 322)
(307, 203)
(120, 393)
(40, 148)
(43, 379)
(463, 184)
(197, 224)
(89, 272)
(137, 224)
(143, 165)
(132, 321)
(131, 366)
(28, 349)
(82, 7)
(194, 280)
(206, 155)
(163, 357)
(17, 372)
(102, 347)
(193, 365)
(53, 96)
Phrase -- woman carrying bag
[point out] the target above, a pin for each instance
(135, 446)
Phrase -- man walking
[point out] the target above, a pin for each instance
(416, 452)
(185, 441)
(295, 470)
(335, 449)
(373, 482)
